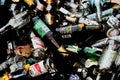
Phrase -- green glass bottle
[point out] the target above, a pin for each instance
(92, 54)
(41, 28)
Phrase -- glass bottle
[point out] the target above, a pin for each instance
(42, 29)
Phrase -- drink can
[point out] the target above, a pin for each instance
(37, 69)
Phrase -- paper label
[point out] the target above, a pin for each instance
(37, 69)
(37, 43)
(41, 28)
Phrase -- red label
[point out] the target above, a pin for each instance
(38, 68)
(39, 44)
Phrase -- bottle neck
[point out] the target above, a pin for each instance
(49, 35)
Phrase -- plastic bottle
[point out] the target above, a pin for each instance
(108, 57)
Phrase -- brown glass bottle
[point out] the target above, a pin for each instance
(49, 15)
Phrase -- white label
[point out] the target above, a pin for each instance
(37, 43)
(64, 11)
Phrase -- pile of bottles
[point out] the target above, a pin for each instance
(59, 39)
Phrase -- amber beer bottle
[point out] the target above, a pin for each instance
(49, 15)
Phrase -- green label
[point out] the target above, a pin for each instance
(41, 28)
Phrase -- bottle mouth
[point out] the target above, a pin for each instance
(112, 32)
